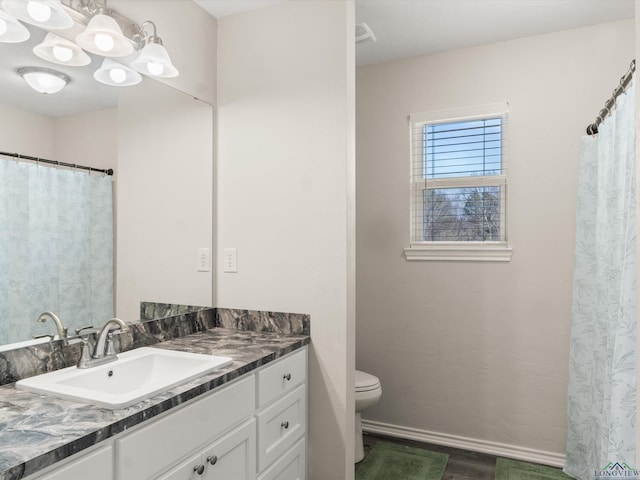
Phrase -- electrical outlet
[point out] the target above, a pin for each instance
(231, 260)
(204, 260)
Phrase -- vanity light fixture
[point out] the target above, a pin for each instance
(59, 50)
(11, 30)
(117, 75)
(44, 80)
(47, 14)
(154, 59)
(103, 36)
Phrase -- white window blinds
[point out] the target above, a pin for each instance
(459, 176)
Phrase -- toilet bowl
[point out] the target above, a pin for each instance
(368, 392)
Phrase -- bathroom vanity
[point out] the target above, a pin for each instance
(246, 421)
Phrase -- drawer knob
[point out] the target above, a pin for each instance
(213, 459)
(285, 424)
(199, 469)
(287, 376)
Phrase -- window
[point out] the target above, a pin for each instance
(459, 185)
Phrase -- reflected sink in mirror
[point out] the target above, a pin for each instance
(135, 376)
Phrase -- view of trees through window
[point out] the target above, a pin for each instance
(460, 162)
(462, 214)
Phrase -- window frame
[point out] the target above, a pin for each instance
(457, 250)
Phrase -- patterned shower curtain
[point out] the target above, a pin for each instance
(56, 248)
(601, 433)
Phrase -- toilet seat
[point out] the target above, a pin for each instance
(366, 382)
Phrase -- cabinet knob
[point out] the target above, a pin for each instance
(199, 469)
(212, 459)
(285, 424)
(287, 376)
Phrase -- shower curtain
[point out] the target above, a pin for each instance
(56, 248)
(602, 366)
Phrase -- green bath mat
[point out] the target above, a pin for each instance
(387, 461)
(514, 470)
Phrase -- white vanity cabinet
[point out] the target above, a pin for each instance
(281, 416)
(151, 450)
(253, 428)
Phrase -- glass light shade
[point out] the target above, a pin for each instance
(103, 36)
(11, 30)
(154, 61)
(59, 50)
(47, 14)
(116, 75)
(44, 80)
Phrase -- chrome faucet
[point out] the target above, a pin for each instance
(103, 352)
(62, 331)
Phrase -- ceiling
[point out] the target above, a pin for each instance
(407, 28)
(403, 28)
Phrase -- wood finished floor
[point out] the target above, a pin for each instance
(462, 464)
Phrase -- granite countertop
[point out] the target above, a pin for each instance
(36, 430)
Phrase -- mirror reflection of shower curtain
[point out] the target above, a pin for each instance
(56, 248)
(602, 364)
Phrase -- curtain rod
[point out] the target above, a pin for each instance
(108, 171)
(609, 104)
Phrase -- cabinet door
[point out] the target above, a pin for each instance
(190, 469)
(152, 449)
(233, 457)
(98, 465)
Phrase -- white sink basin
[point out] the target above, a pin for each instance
(136, 375)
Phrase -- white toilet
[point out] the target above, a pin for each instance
(368, 392)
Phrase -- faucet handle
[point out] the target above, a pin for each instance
(110, 349)
(79, 330)
(44, 335)
(85, 356)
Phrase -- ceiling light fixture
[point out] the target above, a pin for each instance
(11, 30)
(41, 13)
(59, 50)
(44, 80)
(103, 36)
(154, 59)
(116, 74)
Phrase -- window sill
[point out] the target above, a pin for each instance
(460, 252)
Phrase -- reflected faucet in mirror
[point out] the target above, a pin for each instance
(62, 331)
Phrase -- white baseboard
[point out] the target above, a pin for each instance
(465, 443)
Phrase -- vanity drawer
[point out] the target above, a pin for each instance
(280, 425)
(291, 466)
(151, 449)
(281, 377)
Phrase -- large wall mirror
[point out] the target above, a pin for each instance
(158, 141)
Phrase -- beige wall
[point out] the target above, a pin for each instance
(285, 194)
(89, 139)
(26, 132)
(476, 354)
(86, 139)
(164, 197)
